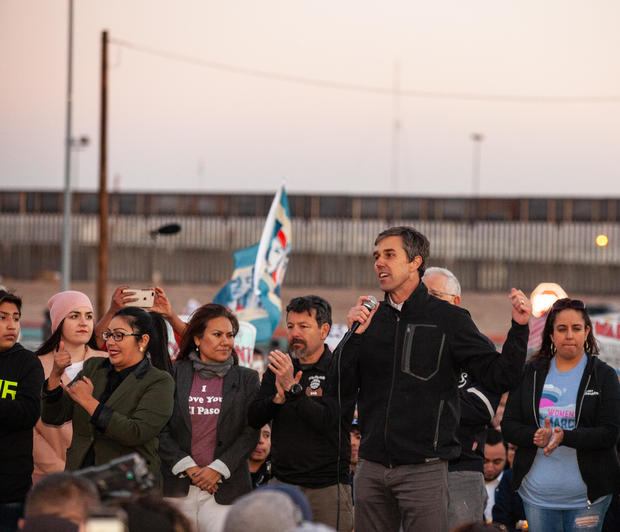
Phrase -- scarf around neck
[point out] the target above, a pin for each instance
(208, 370)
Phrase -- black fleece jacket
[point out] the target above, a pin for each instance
(407, 365)
(21, 378)
(305, 433)
(596, 429)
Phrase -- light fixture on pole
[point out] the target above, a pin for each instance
(78, 144)
(167, 230)
(477, 139)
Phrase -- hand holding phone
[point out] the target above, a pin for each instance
(145, 297)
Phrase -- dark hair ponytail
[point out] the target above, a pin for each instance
(153, 324)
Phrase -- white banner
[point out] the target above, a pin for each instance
(606, 328)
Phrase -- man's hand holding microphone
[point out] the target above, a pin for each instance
(360, 316)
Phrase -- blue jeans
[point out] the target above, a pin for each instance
(569, 520)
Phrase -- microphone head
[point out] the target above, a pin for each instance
(370, 303)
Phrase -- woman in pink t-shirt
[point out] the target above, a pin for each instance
(206, 445)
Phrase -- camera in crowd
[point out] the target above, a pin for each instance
(121, 478)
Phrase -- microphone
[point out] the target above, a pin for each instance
(370, 304)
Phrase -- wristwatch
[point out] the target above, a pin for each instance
(294, 391)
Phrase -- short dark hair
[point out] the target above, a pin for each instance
(415, 243)
(494, 436)
(55, 492)
(307, 303)
(8, 297)
(198, 323)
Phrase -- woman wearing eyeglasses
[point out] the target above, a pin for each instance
(120, 404)
(564, 417)
(206, 445)
(63, 353)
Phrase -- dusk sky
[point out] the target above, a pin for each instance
(540, 80)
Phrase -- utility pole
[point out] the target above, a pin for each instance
(65, 264)
(102, 277)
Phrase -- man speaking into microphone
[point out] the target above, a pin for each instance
(407, 354)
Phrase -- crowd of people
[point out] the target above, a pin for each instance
(396, 429)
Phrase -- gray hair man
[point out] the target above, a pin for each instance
(466, 488)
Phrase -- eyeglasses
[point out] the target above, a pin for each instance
(439, 294)
(566, 302)
(118, 336)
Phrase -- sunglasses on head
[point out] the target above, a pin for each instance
(566, 302)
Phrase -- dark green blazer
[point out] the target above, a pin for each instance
(134, 416)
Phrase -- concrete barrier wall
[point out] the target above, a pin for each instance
(326, 252)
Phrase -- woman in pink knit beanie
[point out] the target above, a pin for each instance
(72, 341)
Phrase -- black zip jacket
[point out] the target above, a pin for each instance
(304, 433)
(407, 365)
(596, 427)
(21, 378)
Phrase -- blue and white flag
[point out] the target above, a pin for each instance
(253, 292)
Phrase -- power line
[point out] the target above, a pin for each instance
(328, 84)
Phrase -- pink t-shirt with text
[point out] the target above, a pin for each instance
(205, 401)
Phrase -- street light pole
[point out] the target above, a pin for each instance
(66, 219)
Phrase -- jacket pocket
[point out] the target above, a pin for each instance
(422, 350)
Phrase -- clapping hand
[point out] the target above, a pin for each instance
(542, 435)
(556, 438)
(282, 367)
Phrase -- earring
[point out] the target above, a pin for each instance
(141, 349)
(196, 349)
(553, 348)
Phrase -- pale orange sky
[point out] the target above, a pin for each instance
(176, 126)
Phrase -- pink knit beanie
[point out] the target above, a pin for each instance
(64, 302)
